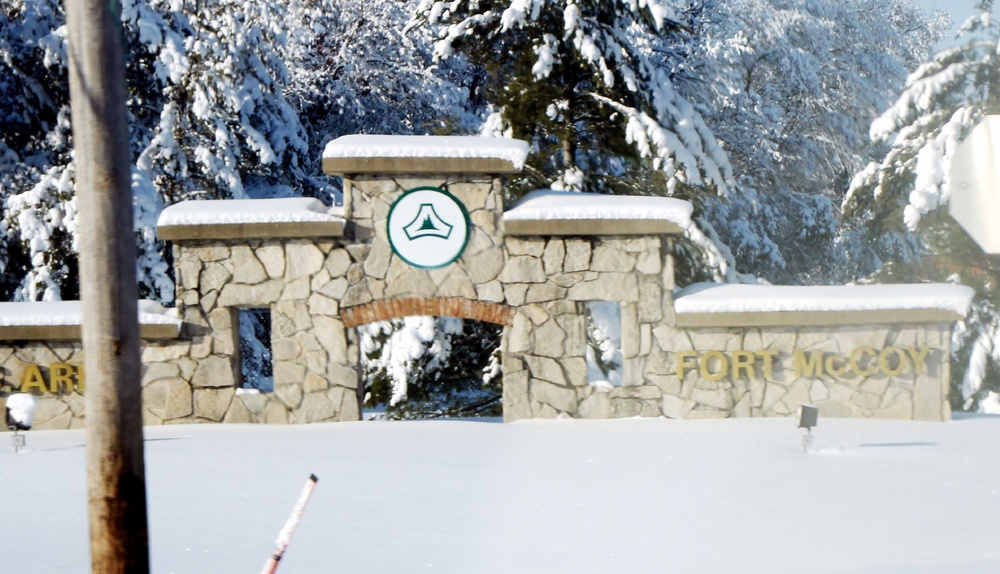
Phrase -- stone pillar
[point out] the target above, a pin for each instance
(381, 274)
(377, 171)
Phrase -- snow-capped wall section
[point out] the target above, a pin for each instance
(550, 212)
(423, 154)
(249, 218)
(62, 320)
(910, 302)
(579, 280)
(217, 211)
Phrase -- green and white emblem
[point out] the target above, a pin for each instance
(428, 227)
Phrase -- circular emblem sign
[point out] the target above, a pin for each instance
(428, 227)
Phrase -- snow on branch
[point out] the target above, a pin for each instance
(942, 102)
(667, 148)
(720, 258)
(922, 95)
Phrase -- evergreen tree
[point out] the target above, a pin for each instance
(791, 103)
(208, 116)
(38, 225)
(900, 199)
(663, 97)
(427, 367)
(355, 71)
(569, 77)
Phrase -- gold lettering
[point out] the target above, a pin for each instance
(832, 366)
(743, 361)
(33, 380)
(723, 365)
(682, 363)
(768, 356)
(886, 366)
(918, 358)
(811, 366)
(80, 386)
(856, 355)
(60, 378)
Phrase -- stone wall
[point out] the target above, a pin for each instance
(306, 284)
(301, 281)
(59, 382)
(56, 380)
(726, 372)
(899, 371)
(336, 275)
(548, 281)
(775, 372)
(384, 275)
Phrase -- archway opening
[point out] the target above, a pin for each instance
(426, 367)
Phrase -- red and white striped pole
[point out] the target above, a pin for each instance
(285, 536)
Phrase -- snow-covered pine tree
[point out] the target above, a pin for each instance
(428, 367)
(790, 89)
(567, 76)
(355, 71)
(899, 199)
(610, 93)
(38, 225)
(208, 114)
(577, 80)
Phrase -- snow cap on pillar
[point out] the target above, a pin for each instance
(377, 154)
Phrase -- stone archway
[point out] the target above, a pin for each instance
(453, 368)
(437, 306)
(535, 267)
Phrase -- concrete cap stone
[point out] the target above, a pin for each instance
(382, 154)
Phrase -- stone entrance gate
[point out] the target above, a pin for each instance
(320, 282)
(533, 267)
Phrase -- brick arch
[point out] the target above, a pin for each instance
(435, 306)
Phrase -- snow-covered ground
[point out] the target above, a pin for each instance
(653, 495)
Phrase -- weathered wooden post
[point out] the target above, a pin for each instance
(115, 467)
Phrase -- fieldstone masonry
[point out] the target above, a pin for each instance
(686, 374)
(383, 275)
(315, 366)
(549, 281)
(319, 285)
(63, 406)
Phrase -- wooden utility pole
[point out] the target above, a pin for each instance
(116, 481)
